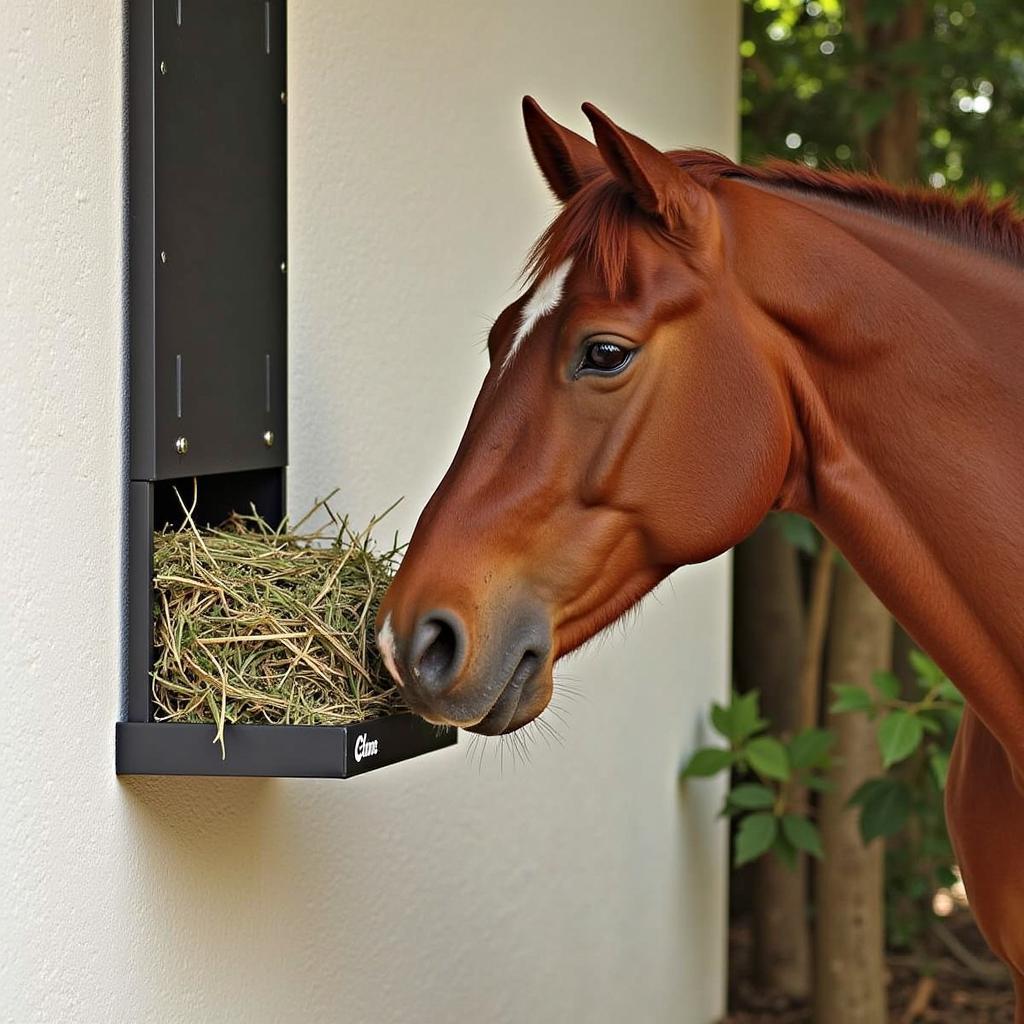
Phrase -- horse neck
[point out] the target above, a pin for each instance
(905, 361)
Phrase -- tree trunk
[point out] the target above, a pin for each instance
(892, 145)
(850, 969)
(815, 632)
(889, 147)
(767, 650)
(850, 925)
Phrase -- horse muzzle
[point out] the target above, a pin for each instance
(490, 679)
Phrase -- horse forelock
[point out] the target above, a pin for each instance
(593, 228)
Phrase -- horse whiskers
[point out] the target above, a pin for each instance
(520, 740)
(572, 692)
(489, 322)
(517, 744)
(474, 742)
(516, 749)
(559, 714)
(619, 625)
(565, 699)
(547, 732)
(531, 731)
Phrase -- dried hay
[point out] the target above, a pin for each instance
(272, 626)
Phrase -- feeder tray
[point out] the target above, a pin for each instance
(208, 349)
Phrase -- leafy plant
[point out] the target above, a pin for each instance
(800, 532)
(770, 777)
(915, 736)
(768, 780)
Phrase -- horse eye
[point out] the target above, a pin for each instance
(605, 357)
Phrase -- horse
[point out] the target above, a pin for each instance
(699, 343)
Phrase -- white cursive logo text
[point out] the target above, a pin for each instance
(365, 747)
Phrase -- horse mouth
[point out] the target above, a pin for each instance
(503, 716)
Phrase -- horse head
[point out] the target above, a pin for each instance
(627, 425)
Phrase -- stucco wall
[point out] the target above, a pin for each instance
(582, 886)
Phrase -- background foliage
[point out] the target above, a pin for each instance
(846, 729)
(814, 87)
(915, 732)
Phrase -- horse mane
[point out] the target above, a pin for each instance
(595, 223)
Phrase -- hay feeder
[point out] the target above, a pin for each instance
(207, 347)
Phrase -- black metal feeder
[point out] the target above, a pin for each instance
(208, 352)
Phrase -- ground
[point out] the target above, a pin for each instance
(929, 986)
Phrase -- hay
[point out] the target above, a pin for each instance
(271, 626)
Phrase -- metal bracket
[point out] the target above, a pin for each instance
(207, 202)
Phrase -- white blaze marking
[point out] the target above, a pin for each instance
(544, 299)
(386, 643)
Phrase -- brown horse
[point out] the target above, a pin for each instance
(702, 342)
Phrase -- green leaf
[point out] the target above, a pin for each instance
(925, 669)
(751, 796)
(887, 684)
(938, 761)
(865, 790)
(885, 809)
(899, 735)
(951, 719)
(803, 834)
(810, 748)
(851, 698)
(707, 761)
(948, 691)
(755, 835)
(768, 757)
(798, 531)
(783, 849)
(740, 719)
(721, 720)
(819, 783)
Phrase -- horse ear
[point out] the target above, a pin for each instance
(658, 185)
(565, 159)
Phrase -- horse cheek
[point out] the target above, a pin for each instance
(726, 454)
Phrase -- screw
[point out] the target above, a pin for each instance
(284, 96)
(181, 445)
(268, 438)
(163, 67)
(163, 256)
(284, 267)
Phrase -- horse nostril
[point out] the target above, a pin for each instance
(437, 650)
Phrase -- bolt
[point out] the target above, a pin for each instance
(163, 256)
(268, 438)
(163, 67)
(284, 96)
(181, 445)
(284, 267)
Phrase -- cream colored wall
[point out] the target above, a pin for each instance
(582, 886)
